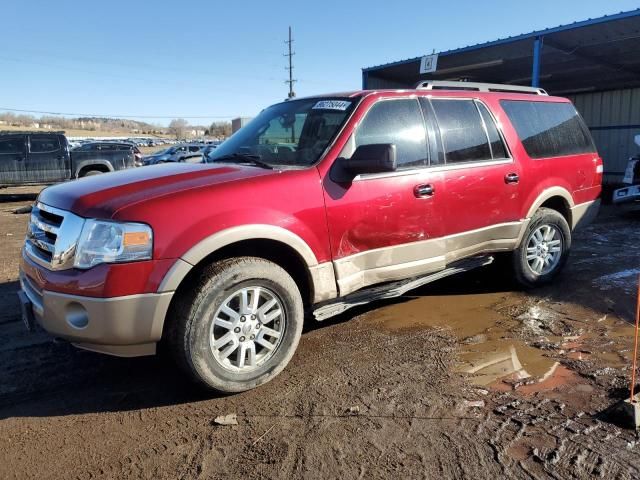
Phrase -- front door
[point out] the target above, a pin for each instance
(387, 226)
(13, 155)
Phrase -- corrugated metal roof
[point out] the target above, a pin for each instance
(515, 38)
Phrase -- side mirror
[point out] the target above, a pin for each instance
(374, 158)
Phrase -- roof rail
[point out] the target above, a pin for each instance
(479, 87)
(31, 132)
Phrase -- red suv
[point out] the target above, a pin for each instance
(315, 204)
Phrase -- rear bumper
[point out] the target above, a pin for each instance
(123, 326)
(584, 213)
(627, 194)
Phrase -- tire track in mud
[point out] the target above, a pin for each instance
(70, 414)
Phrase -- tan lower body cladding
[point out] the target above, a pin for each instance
(427, 256)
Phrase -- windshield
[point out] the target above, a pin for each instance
(293, 133)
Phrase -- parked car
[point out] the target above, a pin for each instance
(42, 158)
(630, 194)
(208, 150)
(317, 205)
(190, 153)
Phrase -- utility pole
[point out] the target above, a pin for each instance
(291, 53)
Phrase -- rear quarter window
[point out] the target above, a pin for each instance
(548, 129)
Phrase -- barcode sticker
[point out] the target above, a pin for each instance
(332, 105)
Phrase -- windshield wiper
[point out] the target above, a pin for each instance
(243, 158)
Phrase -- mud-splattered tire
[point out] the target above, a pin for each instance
(237, 325)
(544, 249)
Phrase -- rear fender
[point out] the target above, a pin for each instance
(89, 163)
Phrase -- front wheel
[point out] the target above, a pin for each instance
(544, 249)
(238, 325)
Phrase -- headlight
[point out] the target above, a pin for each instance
(111, 242)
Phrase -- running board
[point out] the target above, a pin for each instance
(394, 289)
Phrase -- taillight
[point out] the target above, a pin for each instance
(599, 171)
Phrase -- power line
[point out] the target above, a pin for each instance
(99, 115)
(291, 81)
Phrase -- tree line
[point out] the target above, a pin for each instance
(179, 127)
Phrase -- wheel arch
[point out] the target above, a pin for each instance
(556, 198)
(101, 165)
(283, 247)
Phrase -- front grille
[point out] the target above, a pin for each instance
(52, 236)
(43, 232)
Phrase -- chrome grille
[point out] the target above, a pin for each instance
(52, 236)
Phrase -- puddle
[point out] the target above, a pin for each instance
(491, 328)
(625, 279)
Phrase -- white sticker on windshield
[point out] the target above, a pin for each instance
(331, 105)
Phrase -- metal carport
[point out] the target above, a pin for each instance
(595, 62)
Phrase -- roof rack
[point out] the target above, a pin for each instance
(479, 87)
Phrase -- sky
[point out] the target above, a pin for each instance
(165, 59)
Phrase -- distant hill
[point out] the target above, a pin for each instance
(88, 124)
(102, 126)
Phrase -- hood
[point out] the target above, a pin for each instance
(101, 196)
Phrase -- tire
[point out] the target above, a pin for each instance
(91, 173)
(528, 271)
(200, 323)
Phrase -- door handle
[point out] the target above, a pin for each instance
(424, 190)
(511, 178)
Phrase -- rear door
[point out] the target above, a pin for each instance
(13, 154)
(481, 180)
(47, 160)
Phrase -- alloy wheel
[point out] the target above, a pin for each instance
(544, 249)
(247, 329)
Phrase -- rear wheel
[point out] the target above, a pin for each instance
(544, 249)
(89, 173)
(239, 325)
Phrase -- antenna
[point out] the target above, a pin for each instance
(291, 53)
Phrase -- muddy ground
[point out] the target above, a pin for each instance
(467, 378)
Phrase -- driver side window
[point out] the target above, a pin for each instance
(399, 122)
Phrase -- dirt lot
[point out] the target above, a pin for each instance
(467, 378)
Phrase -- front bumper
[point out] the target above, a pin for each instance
(124, 326)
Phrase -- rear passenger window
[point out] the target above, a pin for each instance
(498, 150)
(549, 129)
(462, 130)
(44, 144)
(399, 122)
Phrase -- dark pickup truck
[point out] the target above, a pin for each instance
(39, 158)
